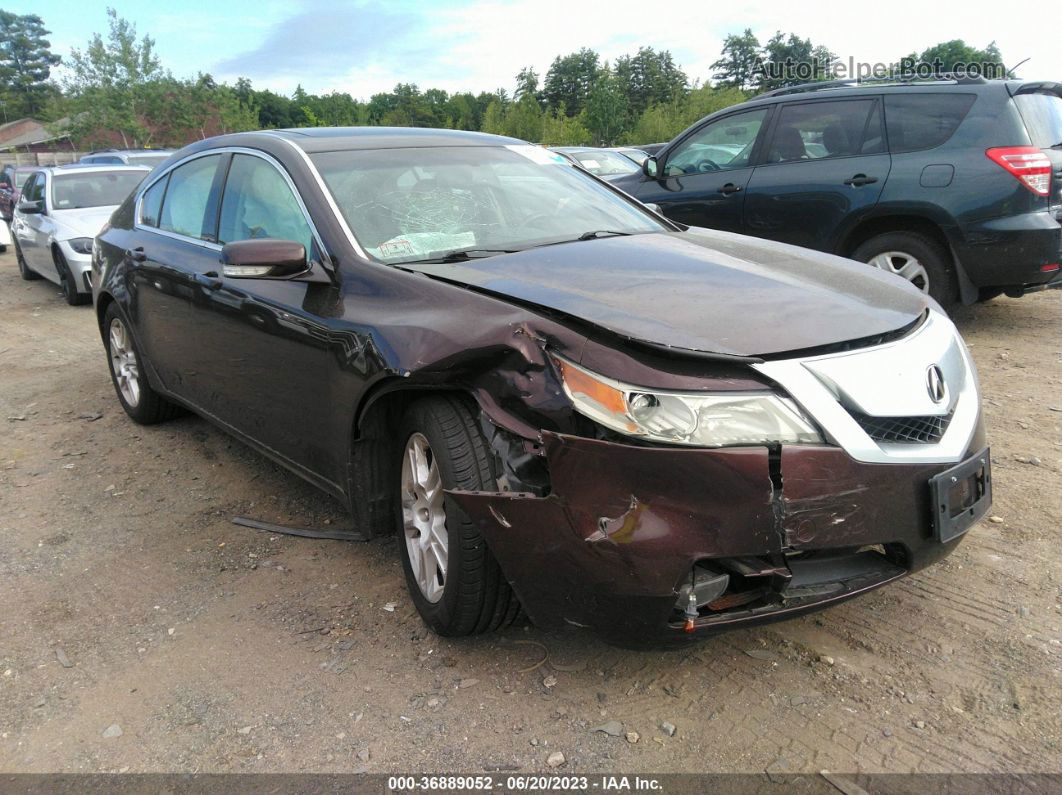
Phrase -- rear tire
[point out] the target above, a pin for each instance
(141, 402)
(67, 283)
(24, 270)
(919, 258)
(467, 594)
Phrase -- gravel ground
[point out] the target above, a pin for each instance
(141, 631)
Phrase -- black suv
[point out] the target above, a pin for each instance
(955, 184)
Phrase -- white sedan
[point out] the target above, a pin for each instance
(61, 210)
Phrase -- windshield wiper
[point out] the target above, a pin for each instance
(601, 233)
(463, 254)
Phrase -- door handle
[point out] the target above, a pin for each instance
(136, 254)
(209, 280)
(859, 180)
(729, 188)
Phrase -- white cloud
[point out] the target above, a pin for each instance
(481, 46)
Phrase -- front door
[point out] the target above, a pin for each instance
(263, 355)
(704, 176)
(824, 168)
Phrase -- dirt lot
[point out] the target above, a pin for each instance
(129, 600)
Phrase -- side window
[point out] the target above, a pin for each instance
(33, 190)
(816, 130)
(258, 203)
(151, 203)
(722, 145)
(923, 121)
(188, 209)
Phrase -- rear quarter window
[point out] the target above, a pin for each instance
(924, 121)
(1042, 114)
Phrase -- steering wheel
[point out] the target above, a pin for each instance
(535, 219)
(707, 165)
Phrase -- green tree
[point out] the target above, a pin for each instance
(559, 129)
(570, 79)
(526, 83)
(788, 61)
(494, 119)
(737, 66)
(949, 55)
(110, 84)
(606, 110)
(524, 119)
(649, 78)
(26, 61)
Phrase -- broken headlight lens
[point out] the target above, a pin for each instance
(699, 419)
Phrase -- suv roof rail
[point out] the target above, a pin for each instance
(950, 77)
(102, 151)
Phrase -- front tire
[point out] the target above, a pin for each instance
(918, 258)
(67, 283)
(454, 580)
(141, 402)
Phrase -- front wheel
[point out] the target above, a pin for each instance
(68, 284)
(139, 399)
(455, 582)
(917, 258)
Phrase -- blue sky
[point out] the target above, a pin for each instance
(366, 46)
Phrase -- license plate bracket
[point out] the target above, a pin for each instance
(961, 496)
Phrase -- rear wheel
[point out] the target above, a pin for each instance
(457, 586)
(140, 401)
(67, 282)
(24, 270)
(917, 258)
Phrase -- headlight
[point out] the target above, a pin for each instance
(707, 419)
(82, 245)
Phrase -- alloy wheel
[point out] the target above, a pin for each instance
(424, 517)
(905, 265)
(123, 362)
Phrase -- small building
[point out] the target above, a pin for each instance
(32, 142)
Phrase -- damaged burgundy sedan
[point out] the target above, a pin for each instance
(561, 401)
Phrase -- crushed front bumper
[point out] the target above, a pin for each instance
(623, 526)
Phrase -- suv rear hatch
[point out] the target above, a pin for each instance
(1040, 106)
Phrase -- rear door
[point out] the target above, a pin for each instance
(824, 167)
(704, 176)
(174, 246)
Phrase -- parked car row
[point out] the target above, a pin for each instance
(60, 211)
(56, 211)
(652, 429)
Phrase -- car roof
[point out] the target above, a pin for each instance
(330, 139)
(104, 152)
(91, 167)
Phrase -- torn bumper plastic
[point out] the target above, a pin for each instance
(612, 544)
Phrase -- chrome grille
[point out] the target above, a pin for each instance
(903, 430)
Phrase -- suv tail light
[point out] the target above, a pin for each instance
(1028, 165)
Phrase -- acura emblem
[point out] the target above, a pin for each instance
(935, 384)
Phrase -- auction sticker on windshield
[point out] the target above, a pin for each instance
(536, 154)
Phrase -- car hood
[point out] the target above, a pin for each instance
(85, 222)
(700, 290)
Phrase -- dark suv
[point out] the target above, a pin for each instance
(955, 185)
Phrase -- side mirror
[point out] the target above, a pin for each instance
(650, 167)
(263, 258)
(31, 208)
(655, 208)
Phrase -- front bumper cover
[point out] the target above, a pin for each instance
(623, 525)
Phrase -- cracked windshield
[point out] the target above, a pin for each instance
(407, 205)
